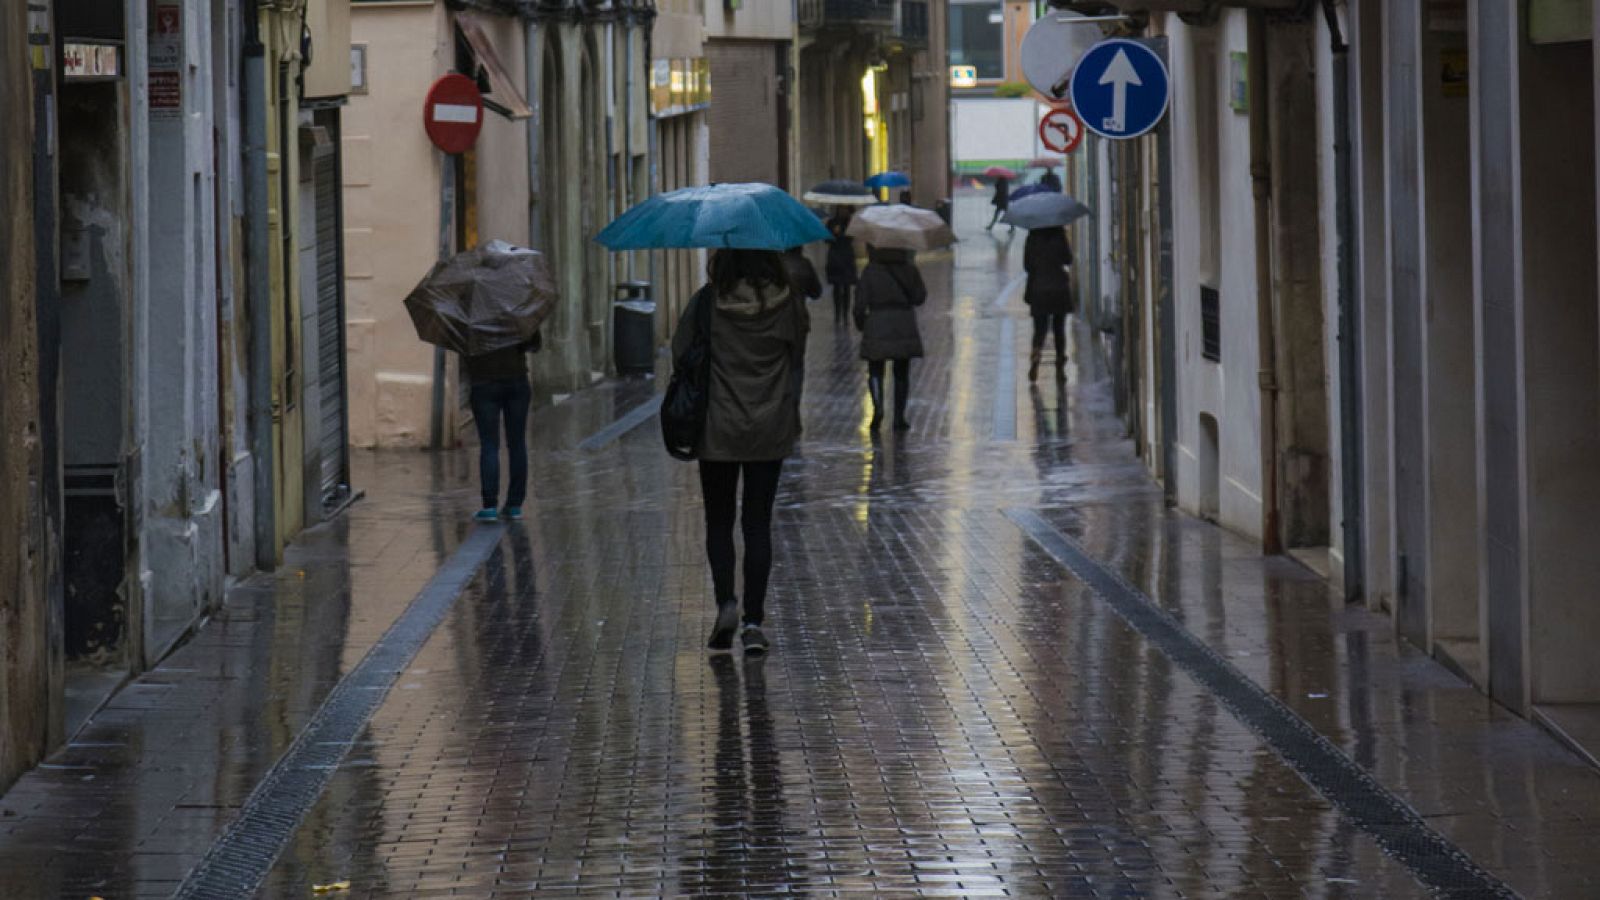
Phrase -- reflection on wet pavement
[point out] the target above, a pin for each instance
(948, 711)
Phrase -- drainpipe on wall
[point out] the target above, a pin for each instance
(532, 59)
(258, 281)
(627, 125)
(652, 156)
(1349, 316)
(1266, 325)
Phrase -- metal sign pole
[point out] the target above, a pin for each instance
(447, 205)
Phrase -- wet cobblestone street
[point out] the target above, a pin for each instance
(949, 709)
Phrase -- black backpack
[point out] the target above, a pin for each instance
(683, 409)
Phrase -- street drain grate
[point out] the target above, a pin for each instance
(242, 856)
(630, 420)
(1397, 828)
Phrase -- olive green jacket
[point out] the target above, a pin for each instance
(758, 347)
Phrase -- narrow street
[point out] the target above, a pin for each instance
(1001, 667)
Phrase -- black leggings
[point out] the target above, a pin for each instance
(841, 302)
(719, 485)
(902, 371)
(1056, 324)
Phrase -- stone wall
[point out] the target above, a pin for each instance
(26, 669)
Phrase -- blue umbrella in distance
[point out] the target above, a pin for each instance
(747, 216)
(888, 180)
(1028, 190)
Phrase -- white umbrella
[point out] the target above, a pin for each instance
(896, 225)
(1044, 210)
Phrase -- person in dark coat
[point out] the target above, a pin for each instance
(802, 275)
(759, 327)
(841, 265)
(1051, 180)
(500, 391)
(1001, 201)
(1045, 258)
(887, 298)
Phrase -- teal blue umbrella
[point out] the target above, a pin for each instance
(888, 180)
(746, 216)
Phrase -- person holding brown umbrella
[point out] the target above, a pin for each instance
(487, 304)
(500, 392)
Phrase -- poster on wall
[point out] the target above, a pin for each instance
(1560, 21)
(166, 61)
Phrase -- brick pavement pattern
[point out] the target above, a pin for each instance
(946, 712)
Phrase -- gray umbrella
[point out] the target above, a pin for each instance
(1045, 210)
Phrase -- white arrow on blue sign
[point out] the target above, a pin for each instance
(1120, 88)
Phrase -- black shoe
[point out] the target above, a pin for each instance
(727, 625)
(902, 425)
(1033, 366)
(755, 643)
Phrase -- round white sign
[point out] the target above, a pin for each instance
(1051, 50)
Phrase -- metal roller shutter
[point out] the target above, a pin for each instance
(330, 329)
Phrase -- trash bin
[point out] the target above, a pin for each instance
(633, 336)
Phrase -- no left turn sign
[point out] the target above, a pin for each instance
(453, 113)
(1061, 131)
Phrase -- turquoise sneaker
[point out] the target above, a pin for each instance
(514, 513)
(488, 515)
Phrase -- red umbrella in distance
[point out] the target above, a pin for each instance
(999, 172)
(1044, 162)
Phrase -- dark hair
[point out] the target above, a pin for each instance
(889, 255)
(732, 265)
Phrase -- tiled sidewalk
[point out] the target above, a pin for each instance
(947, 711)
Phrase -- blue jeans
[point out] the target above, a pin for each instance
(490, 401)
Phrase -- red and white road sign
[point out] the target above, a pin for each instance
(1060, 130)
(453, 113)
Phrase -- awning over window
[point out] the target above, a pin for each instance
(503, 96)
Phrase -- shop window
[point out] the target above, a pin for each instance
(977, 30)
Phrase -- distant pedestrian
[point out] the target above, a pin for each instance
(802, 275)
(1001, 201)
(758, 328)
(841, 266)
(905, 197)
(1045, 257)
(891, 289)
(1050, 180)
(500, 392)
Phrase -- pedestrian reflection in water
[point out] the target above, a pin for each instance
(746, 847)
(1050, 447)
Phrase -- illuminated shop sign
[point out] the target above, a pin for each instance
(679, 86)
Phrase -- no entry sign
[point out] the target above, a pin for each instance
(1060, 131)
(453, 113)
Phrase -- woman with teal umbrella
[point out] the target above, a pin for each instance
(742, 343)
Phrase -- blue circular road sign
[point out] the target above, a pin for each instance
(1120, 88)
